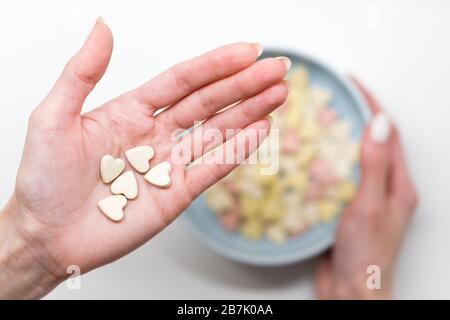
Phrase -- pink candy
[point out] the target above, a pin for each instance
(326, 116)
(314, 191)
(230, 219)
(322, 173)
(290, 141)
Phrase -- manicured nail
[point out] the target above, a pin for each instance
(99, 20)
(270, 119)
(380, 128)
(287, 62)
(259, 49)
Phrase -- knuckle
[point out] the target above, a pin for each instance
(38, 117)
(269, 71)
(248, 114)
(408, 200)
(78, 76)
(414, 201)
(373, 209)
(180, 79)
(205, 101)
(240, 86)
(365, 209)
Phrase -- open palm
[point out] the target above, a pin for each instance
(58, 185)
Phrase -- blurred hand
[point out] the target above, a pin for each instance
(373, 225)
(52, 218)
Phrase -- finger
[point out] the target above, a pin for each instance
(240, 116)
(372, 103)
(374, 153)
(403, 194)
(374, 164)
(205, 102)
(80, 75)
(188, 76)
(401, 189)
(214, 165)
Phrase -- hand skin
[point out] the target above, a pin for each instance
(373, 225)
(52, 221)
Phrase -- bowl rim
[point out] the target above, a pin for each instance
(325, 242)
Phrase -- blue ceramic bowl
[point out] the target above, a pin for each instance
(203, 224)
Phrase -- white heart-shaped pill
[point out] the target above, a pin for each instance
(112, 206)
(125, 184)
(139, 157)
(159, 175)
(111, 168)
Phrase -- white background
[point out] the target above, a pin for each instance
(399, 48)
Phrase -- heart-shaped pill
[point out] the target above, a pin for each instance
(125, 184)
(110, 168)
(159, 175)
(139, 157)
(112, 207)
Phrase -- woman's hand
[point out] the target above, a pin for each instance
(374, 223)
(52, 220)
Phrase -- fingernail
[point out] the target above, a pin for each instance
(288, 85)
(287, 62)
(99, 19)
(259, 49)
(270, 119)
(380, 128)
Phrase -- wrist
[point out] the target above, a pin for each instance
(26, 269)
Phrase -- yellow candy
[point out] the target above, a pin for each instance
(340, 131)
(327, 210)
(252, 229)
(309, 212)
(310, 130)
(277, 234)
(295, 103)
(299, 77)
(319, 97)
(293, 221)
(218, 199)
(249, 205)
(294, 117)
(306, 154)
(345, 191)
(264, 179)
(249, 188)
(296, 182)
(271, 209)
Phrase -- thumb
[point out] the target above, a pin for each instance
(80, 75)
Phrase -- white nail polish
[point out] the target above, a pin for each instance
(259, 49)
(380, 128)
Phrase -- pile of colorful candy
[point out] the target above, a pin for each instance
(317, 154)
